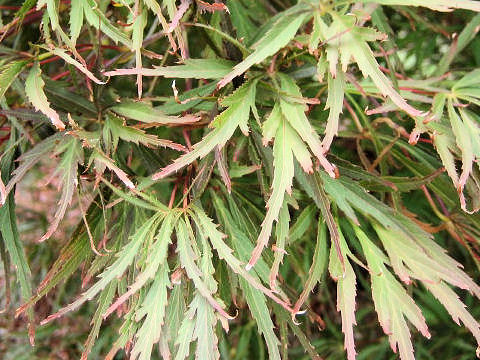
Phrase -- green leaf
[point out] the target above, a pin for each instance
(115, 129)
(146, 113)
(72, 157)
(153, 309)
(224, 125)
(282, 182)
(156, 257)
(336, 89)
(34, 90)
(10, 239)
(438, 5)
(294, 113)
(98, 20)
(76, 19)
(8, 73)
(343, 274)
(392, 302)
(124, 258)
(276, 38)
(317, 268)
(63, 54)
(192, 69)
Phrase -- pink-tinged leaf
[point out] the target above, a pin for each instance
(282, 182)
(156, 257)
(34, 90)
(145, 113)
(222, 168)
(279, 247)
(122, 262)
(103, 159)
(392, 302)
(438, 5)
(217, 6)
(295, 115)
(367, 63)
(236, 115)
(191, 69)
(455, 307)
(3, 191)
(345, 277)
(67, 168)
(182, 9)
(464, 143)
(187, 260)
(336, 89)
(317, 268)
(137, 42)
(226, 253)
(64, 55)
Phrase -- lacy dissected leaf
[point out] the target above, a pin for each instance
(282, 182)
(63, 54)
(76, 19)
(138, 26)
(68, 170)
(336, 89)
(276, 38)
(146, 113)
(156, 257)
(153, 312)
(124, 258)
(345, 277)
(317, 268)
(115, 129)
(392, 302)
(428, 262)
(34, 90)
(294, 112)
(224, 125)
(101, 161)
(422, 259)
(32, 157)
(98, 20)
(249, 282)
(188, 260)
(192, 69)
(347, 41)
(281, 233)
(8, 73)
(439, 5)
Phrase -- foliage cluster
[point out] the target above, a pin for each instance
(243, 174)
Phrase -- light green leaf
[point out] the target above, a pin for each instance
(97, 20)
(67, 168)
(282, 182)
(8, 73)
(34, 90)
(438, 5)
(63, 54)
(192, 69)
(336, 90)
(124, 258)
(345, 277)
(153, 308)
(144, 112)
(276, 38)
(76, 19)
(224, 125)
(392, 302)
